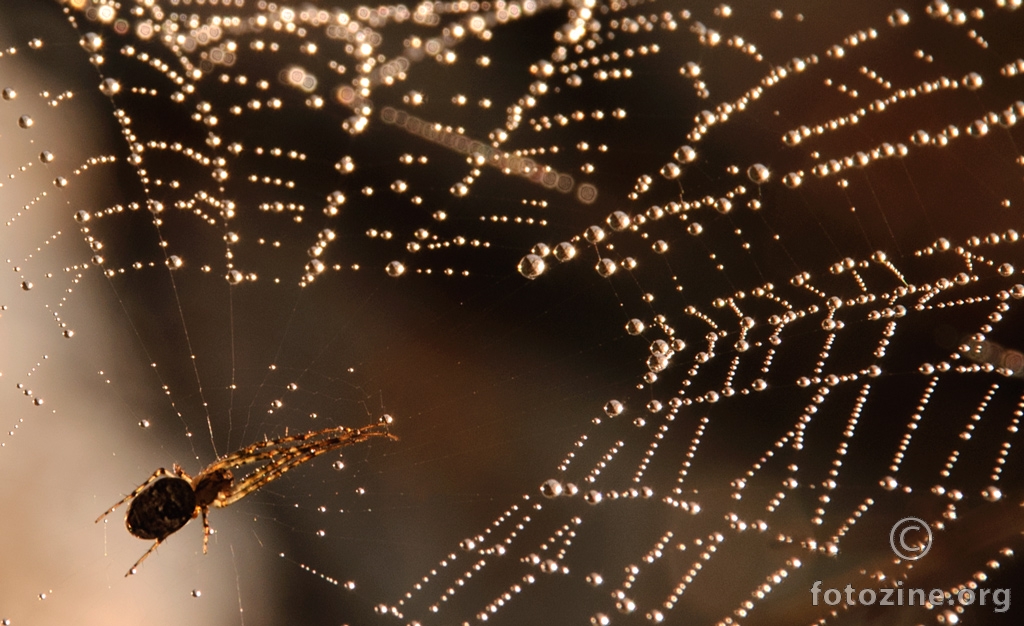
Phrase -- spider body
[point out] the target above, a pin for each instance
(168, 500)
(162, 508)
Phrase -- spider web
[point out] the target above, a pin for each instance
(678, 307)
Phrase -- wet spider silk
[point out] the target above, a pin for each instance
(679, 307)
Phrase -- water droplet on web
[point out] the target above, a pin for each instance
(144, 424)
(618, 221)
(792, 180)
(395, 269)
(45, 156)
(563, 252)
(531, 266)
(338, 465)
(26, 121)
(551, 488)
(110, 87)
(26, 285)
(685, 154)
(8, 93)
(594, 234)
(196, 593)
(235, 277)
(321, 533)
(758, 173)
(605, 267)
(992, 494)
(613, 408)
(91, 42)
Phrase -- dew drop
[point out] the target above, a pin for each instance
(26, 121)
(594, 234)
(992, 494)
(26, 286)
(395, 269)
(671, 171)
(91, 42)
(758, 173)
(618, 221)
(792, 180)
(551, 488)
(109, 87)
(564, 251)
(8, 93)
(605, 267)
(531, 266)
(685, 154)
(613, 408)
(973, 81)
(196, 593)
(634, 327)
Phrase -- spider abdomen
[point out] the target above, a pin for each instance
(161, 509)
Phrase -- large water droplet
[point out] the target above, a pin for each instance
(531, 266)
(395, 269)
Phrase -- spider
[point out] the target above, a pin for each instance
(169, 500)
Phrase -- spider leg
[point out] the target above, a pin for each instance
(142, 558)
(268, 450)
(264, 475)
(310, 448)
(265, 450)
(160, 473)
